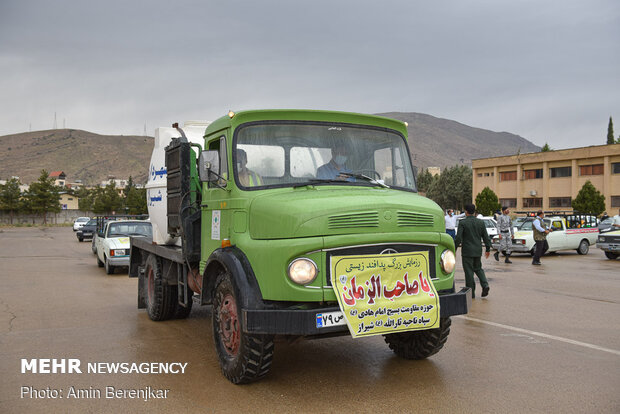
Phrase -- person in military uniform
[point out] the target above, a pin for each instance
(470, 231)
(504, 229)
(540, 230)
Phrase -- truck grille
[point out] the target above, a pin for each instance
(365, 219)
(408, 219)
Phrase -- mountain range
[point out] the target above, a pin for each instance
(93, 158)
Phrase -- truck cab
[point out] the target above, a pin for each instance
(301, 223)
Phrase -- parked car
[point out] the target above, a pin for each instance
(112, 243)
(489, 223)
(80, 222)
(87, 230)
(610, 244)
(566, 235)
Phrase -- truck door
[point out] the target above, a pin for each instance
(215, 202)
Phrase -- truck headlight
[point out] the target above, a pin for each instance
(302, 271)
(448, 261)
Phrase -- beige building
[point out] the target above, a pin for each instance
(550, 180)
(68, 202)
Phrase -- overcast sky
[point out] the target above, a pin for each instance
(546, 70)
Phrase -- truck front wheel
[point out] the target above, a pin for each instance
(161, 300)
(243, 357)
(419, 344)
(611, 255)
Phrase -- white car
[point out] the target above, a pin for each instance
(80, 222)
(561, 238)
(112, 243)
(489, 223)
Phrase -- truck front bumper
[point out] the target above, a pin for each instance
(609, 247)
(304, 321)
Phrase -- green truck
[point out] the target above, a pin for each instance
(297, 223)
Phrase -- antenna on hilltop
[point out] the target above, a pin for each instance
(63, 123)
(145, 129)
(55, 125)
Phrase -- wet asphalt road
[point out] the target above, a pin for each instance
(547, 339)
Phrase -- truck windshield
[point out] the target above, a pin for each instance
(292, 154)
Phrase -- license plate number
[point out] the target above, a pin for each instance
(324, 320)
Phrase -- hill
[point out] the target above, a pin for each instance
(90, 157)
(437, 142)
(82, 155)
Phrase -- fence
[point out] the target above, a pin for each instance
(64, 217)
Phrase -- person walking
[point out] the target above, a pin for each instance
(470, 231)
(540, 230)
(504, 230)
(450, 219)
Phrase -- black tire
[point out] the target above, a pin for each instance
(99, 262)
(419, 344)
(109, 269)
(93, 247)
(243, 357)
(181, 312)
(611, 255)
(584, 247)
(161, 299)
(533, 251)
(80, 239)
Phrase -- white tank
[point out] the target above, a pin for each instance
(156, 195)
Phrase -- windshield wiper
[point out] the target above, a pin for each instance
(365, 177)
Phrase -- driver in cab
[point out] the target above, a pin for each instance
(337, 165)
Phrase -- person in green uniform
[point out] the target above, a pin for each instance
(469, 234)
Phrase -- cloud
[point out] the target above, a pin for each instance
(542, 70)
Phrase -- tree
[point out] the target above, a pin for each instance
(135, 201)
(487, 202)
(425, 179)
(545, 148)
(452, 188)
(107, 200)
(86, 198)
(610, 132)
(589, 200)
(10, 195)
(43, 196)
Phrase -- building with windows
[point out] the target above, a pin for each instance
(550, 180)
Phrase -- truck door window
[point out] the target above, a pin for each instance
(220, 145)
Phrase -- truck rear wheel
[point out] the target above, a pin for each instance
(181, 312)
(161, 300)
(419, 344)
(243, 357)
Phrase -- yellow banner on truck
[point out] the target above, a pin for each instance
(383, 294)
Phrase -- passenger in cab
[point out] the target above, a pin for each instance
(247, 177)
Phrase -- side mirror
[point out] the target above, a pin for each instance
(209, 166)
(100, 234)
